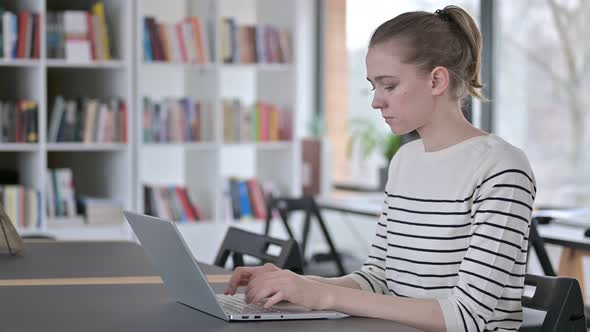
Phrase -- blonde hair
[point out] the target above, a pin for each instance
(449, 38)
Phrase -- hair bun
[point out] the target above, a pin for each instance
(443, 14)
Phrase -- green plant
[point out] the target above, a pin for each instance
(392, 144)
(371, 138)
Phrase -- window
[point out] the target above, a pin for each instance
(542, 80)
(362, 18)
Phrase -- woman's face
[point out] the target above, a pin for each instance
(401, 92)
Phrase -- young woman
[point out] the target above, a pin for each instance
(449, 253)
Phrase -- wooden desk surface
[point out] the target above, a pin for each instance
(106, 292)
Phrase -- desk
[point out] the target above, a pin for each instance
(128, 307)
(572, 238)
(575, 247)
(366, 204)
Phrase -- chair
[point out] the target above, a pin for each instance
(536, 241)
(561, 298)
(533, 321)
(285, 206)
(238, 242)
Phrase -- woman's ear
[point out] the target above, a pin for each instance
(439, 80)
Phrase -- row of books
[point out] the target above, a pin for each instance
(88, 120)
(186, 41)
(20, 35)
(254, 43)
(261, 122)
(19, 121)
(246, 198)
(100, 211)
(171, 203)
(22, 205)
(177, 120)
(61, 193)
(78, 35)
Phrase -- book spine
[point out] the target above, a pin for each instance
(186, 205)
(91, 36)
(235, 198)
(148, 55)
(98, 10)
(245, 208)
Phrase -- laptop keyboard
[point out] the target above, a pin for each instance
(236, 305)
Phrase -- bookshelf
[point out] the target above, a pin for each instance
(204, 167)
(100, 169)
(119, 170)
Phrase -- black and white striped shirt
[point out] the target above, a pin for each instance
(455, 227)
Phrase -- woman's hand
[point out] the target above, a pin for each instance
(243, 275)
(284, 285)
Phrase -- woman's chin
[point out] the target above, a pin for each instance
(398, 130)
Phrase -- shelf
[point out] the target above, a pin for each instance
(186, 145)
(32, 231)
(60, 63)
(84, 147)
(177, 65)
(18, 147)
(261, 145)
(20, 63)
(274, 145)
(258, 66)
(210, 66)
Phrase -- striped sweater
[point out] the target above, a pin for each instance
(454, 227)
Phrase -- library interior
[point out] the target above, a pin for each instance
(329, 165)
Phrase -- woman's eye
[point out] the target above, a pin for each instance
(389, 88)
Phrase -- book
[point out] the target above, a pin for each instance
(171, 203)
(186, 204)
(245, 208)
(176, 120)
(73, 35)
(19, 121)
(257, 199)
(21, 205)
(247, 198)
(87, 120)
(185, 41)
(234, 192)
(77, 43)
(98, 210)
(99, 11)
(264, 43)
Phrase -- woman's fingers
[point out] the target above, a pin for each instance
(240, 277)
(263, 286)
(262, 294)
(276, 298)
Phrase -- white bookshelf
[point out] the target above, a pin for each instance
(204, 166)
(112, 64)
(119, 171)
(81, 147)
(20, 63)
(101, 170)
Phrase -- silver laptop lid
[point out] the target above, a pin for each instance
(179, 270)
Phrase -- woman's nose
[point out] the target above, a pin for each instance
(377, 103)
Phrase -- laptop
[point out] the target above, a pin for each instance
(182, 276)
